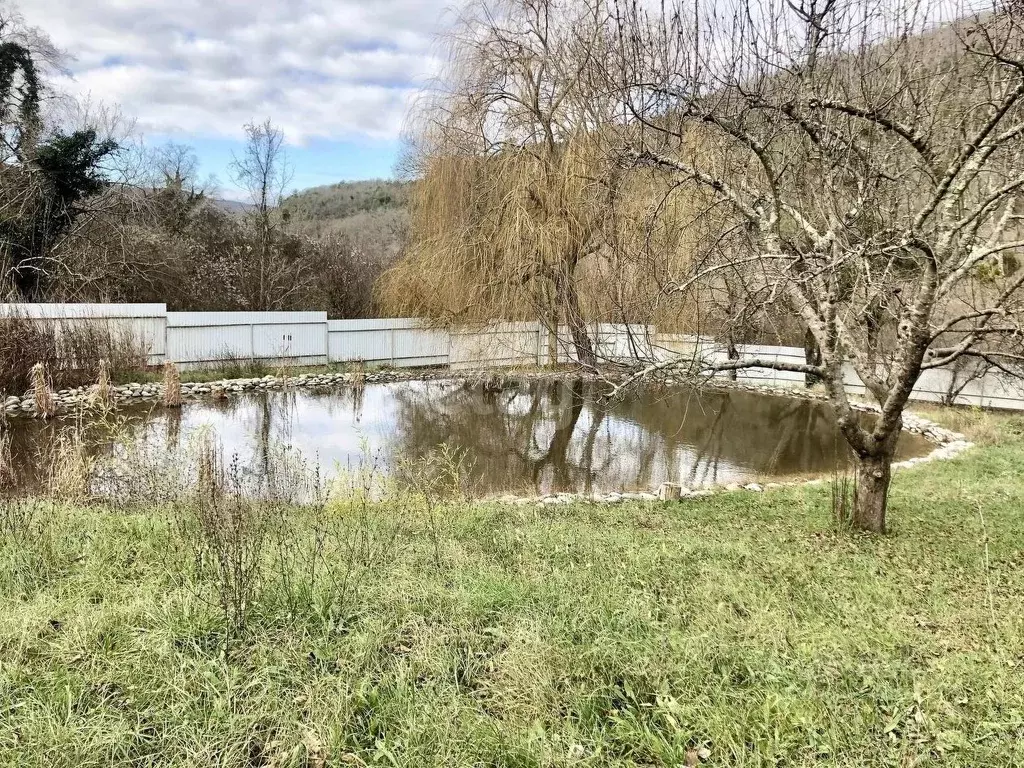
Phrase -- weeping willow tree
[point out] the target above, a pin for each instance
(516, 183)
(504, 236)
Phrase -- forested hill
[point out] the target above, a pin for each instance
(345, 199)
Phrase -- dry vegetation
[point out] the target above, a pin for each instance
(70, 351)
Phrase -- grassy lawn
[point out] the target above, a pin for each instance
(739, 630)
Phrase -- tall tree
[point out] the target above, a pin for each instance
(270, 276)
(871, 161)
(515, 190)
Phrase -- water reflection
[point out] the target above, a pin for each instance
(534, 437)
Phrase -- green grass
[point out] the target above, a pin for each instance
(589, 636)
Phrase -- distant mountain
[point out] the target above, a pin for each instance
(231, 206)
(346, 199)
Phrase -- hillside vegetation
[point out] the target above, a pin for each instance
(345, 199)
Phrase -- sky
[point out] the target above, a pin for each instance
(336, 75)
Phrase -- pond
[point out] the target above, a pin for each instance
(532, 437)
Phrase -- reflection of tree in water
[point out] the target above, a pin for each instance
(524, 436)
(562, 436)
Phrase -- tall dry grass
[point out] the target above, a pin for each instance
(70, 350)
(69, 464)
(101, 392)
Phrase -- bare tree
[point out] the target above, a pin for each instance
(871, 163)
(263, 171)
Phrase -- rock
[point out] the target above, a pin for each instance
(755, 487)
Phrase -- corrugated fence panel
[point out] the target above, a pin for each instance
(402, 342)
(612, 342)
(367, 340)
(419, 346)
(621, 342)
(202, 338)
(189, 345)
(142, 324)
(300, 343)
(498, 344)
(789, 355)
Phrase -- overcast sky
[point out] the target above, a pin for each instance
(336, 75)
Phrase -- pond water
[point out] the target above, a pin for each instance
(528, 438)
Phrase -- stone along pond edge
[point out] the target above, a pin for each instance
(948, 443)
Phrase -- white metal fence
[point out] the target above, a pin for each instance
(205, 338)
(988, 391)
(196, 339)
(143, 323)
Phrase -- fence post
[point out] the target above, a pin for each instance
(252, 340)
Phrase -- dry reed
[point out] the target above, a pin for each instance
(6, 460)
(172, 386)
(101, 392)
(69, 465)
(46, 407)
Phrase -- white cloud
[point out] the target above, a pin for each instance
(319, 68)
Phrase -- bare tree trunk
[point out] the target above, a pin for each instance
(733, 353)
(570, 300)
(871, 490)
(553, 343)
(812, 356)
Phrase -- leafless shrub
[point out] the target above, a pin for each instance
(225, 530)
